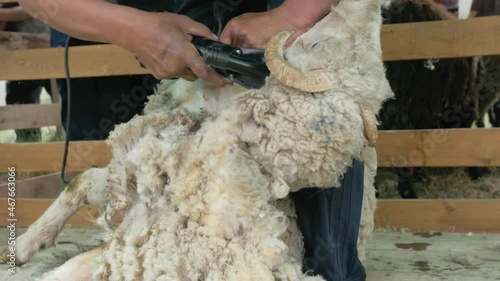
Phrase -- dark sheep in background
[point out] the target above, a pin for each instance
(430, 94)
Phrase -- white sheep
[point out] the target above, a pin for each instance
(202, 177)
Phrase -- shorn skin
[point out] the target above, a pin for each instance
(203, 176)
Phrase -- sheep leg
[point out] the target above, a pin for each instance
(494, 114)
(87, 188)
(79, 268)
(406, 184)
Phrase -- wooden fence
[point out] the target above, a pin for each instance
(423, 148)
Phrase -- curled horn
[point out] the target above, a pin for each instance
(317, 80)
(369, 123)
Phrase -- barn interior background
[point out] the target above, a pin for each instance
(452, 232)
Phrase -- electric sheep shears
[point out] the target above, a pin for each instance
(246, 67)
(243, 66)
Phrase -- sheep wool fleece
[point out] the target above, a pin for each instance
(203, 177)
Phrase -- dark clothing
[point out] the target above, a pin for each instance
(97, 104)
(57, 38)
(485, 8)
(329, 220)
(208, 12)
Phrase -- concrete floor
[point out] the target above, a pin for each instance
(392, 256)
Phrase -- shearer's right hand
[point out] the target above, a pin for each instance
(162, 42)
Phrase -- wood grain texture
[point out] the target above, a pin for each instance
(439, 148)
(85, 61)
(41, 187)
(47, 157)
(416, 215)
(13, 41)
(422, 148)
(26, 116)
(439, 215)
(440, 39)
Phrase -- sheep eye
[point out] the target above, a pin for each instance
(314, 45)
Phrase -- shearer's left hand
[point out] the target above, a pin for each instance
(253, 30)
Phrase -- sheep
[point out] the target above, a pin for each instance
(202, 178)
(450, 93)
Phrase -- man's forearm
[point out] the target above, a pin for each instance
(93, 20)
(308, 13)
(14, 14)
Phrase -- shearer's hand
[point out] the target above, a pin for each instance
(253, 30)
(162, 42)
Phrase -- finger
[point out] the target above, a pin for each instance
(226, 36)
(171, 66)
(149, 66)
(189, 75)
(203, 71)
(192, 27)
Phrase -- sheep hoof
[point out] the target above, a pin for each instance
(4, 258)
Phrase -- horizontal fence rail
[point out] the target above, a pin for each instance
(47, 157)
(476, 216)
(84, 61)
(441, 39)
(438, 39)
(47, 186)
(439, 148)
(422, 148)
(462, 216)
(25, 116)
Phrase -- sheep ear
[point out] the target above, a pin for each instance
(318, 80)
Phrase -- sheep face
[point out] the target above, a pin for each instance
(347, 44)
(317, 110)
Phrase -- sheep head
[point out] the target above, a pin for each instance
(317, 109)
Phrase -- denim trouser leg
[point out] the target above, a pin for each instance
(329, 220)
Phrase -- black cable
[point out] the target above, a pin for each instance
(68, 109)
